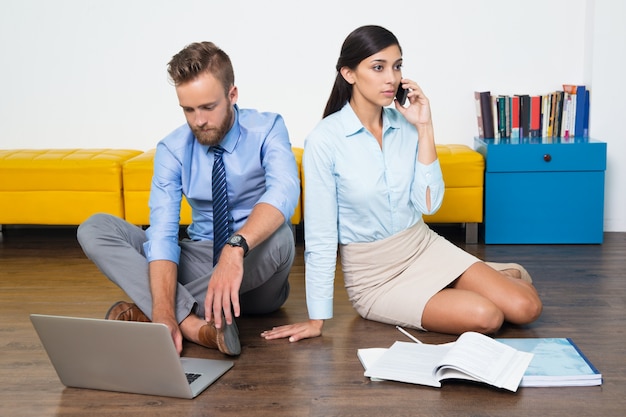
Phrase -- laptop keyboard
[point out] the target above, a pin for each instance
(192, 377)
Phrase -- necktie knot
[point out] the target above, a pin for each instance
(218, 151)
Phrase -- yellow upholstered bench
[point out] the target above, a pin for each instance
(60, 186)
(298, 213)
(137, 173)
(65, 186)
(463, 174)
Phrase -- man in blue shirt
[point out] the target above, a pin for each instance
(178, 282)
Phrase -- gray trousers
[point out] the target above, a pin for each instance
(116, 247)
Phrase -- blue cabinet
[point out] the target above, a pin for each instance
(543, 190)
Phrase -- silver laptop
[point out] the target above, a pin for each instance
(123, 356)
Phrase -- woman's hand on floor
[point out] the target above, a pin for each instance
(296, 331)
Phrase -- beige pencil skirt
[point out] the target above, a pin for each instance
(391, 280)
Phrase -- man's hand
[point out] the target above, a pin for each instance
(223, 292)
(172, 325)
(295, 332)
(163, 288)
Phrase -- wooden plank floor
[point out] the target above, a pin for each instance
(42, 270)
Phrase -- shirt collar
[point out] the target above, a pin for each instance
(232, 136)
(352, 125)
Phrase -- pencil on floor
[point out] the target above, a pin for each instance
(409, 335)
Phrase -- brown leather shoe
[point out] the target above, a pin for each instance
(226, 339)
(126, 312)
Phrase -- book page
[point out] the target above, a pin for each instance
(486, 360)
(409, 362)
(369, 356)
(473, 356)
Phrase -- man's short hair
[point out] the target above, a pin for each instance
(200, 57)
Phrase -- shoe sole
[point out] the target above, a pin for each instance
(231, 339)
(106, 316)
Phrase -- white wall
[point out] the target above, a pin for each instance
(608, 111)
(92, 73)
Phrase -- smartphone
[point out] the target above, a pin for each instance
(401, 95)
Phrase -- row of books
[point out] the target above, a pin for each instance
(563, 113)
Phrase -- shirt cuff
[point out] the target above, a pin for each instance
(320, 309)
(431, 172)
(161, 251)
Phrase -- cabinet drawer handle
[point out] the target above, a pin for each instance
(547, 157)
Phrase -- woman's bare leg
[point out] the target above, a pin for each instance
(480, 300)
(456, 311)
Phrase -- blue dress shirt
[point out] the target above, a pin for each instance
(356, 192)
(260, 168)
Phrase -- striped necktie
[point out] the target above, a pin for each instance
(221, 224)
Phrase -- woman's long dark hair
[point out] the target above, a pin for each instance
(361, 43)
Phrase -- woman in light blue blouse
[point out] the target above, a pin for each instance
(370, 172)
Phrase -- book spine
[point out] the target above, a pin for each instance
(580, 110)
(572, 116)
(586, 115)
(487, 114)
(515, 117)
(564, 113)
(501, 117)
(574, 113)
(552, 107)
(507, 115)
(545, 115)
(524, 116)
(535, 116)
(494, 112)
(558, 115)
(582, 355)
(479, 118)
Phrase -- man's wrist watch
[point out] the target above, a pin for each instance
(239, 241)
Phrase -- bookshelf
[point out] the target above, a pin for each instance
(543, 190)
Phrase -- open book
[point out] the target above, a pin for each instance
(473, 357)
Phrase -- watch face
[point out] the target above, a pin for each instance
(239, 241)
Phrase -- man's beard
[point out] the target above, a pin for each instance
(214, 135)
